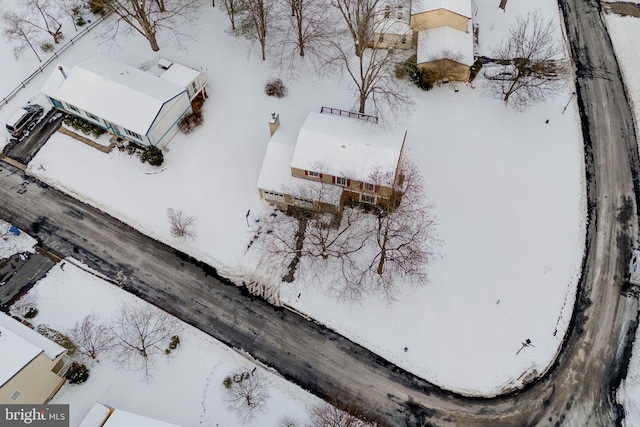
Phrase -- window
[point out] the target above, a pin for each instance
(381, 38)
(72, 108)
(194, 87)
(369, 187)
(15, 395)
(133, 134)
(305, 203)
(404, 39)
(314, 174)
(399, 12)
(387, 13)
(366, 198)
(341, 181)
(270, 195)
(92, 117)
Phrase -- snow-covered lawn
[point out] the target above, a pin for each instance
(508, 189)
(185, 387)
(624, 32)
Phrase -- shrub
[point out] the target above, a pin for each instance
(77, 373)
(30, 312)
(275, 88)
(190, 122)
(227, 382)
(152, 155)
(80, 21)
(84, 126)
(404, 68)
(47, 47)
(96, 8)
(475, 69)
(175, 340)
(58, 337)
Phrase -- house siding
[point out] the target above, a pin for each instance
(392, 40)
(439, 18)
(36, 382)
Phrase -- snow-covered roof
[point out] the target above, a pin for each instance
(461, 7)
(19, 345)
(180, 74)
(275, 174)
(96, 415)
(346, 147)
(120, 418)
(114, 91)
(432, 42)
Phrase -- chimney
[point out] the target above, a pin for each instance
(274, 123)
(62, 71)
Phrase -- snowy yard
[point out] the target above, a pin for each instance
(508, 189)
(184, 388)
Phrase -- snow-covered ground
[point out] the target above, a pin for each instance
(12, 243)
(508, 189)
(624, 32)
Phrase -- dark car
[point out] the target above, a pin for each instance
(21, 120)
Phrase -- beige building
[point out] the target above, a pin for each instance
(444, 37)
(32, 368)
(331, 160)
(391, 27)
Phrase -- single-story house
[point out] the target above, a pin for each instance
(447, 52)
(105, 416)
(391, 27)
(33, 366)
(426, 14)
(330, 160)
(128, 102)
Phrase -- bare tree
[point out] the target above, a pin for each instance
(181, 224)
(255, 21)
(141, 333)
(303, 27)
(232, 8)
(149, 17)
(372, 70)
(404, 231)
(91, 336)
(49, 23)
(247, 394)
(532, 51)
(18, 31)
(346, 412)
(71, 8)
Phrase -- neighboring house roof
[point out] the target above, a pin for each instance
(19, 345)
(346, 147)
(113, 91)
(461, 7)
(118, 418)
(275, 174)
(432, 42)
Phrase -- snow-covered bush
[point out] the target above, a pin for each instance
(152, 155)
(77, 373)
(275, 88)
(190, 122)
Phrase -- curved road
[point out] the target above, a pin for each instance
(578, 389)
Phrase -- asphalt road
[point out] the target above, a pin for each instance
(26, 148)
(576, 391)
(19, 273)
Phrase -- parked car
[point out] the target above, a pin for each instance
(22, 119)
(501, 72)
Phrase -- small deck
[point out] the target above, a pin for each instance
(352, 114)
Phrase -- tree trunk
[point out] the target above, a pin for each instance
(380, 268)
(33, 49)
(213, 3)
(152, 41)
(363, 103)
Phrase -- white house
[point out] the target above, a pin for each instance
(330, 160)
(104, 416)
(33, 366)
(126, 101)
